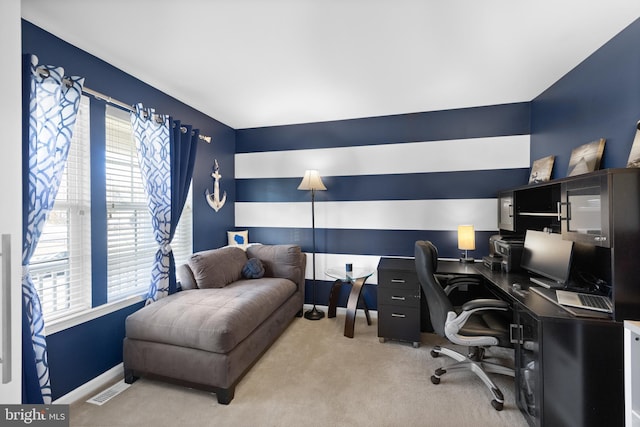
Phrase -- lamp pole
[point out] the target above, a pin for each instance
(314, 313)
(312, 181)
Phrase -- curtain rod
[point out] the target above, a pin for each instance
(121, 104)
(45, 73)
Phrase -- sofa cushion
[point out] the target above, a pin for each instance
(217, 268)
(213, 320)
(253, 269)
(279, 260)
(184, 277)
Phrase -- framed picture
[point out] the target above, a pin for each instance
(541, 170)
(634, 155)
(586, 158)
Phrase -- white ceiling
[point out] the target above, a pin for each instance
(252, 63)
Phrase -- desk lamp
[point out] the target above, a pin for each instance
(312, 181)
(466, 241)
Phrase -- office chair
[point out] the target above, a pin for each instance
(479, 324)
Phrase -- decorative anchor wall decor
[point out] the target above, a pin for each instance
(214, 199)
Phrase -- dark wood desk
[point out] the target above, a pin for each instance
(569, 368)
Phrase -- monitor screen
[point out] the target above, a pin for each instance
(547, 254)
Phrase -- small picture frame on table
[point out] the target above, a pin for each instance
(541, 170)
(634, 155)
(586, 158)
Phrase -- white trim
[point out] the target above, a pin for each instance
(92, 386)
(94, 313)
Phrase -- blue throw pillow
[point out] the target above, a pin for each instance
(253, 269)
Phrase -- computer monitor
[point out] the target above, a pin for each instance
(549, 256)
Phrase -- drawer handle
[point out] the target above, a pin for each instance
(398, 298)
(397, 281)
(402, 316)
(516, 333)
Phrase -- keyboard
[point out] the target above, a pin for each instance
(593, 301)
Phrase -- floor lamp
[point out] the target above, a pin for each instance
(312, 181)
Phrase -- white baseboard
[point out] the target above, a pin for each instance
(92, 386)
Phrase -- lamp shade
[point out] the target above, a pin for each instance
(466, 237)
(311, 181)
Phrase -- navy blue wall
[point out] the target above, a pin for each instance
(600, 98)
(81, 353)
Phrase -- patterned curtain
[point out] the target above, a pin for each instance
(51, 110)
(166, 159)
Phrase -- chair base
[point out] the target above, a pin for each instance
(476, 365)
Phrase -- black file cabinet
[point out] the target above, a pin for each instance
(398, 301)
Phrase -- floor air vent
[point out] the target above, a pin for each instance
(105, 395)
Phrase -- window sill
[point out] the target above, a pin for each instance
(87, 315)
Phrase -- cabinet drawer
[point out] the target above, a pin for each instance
(397, 279)
(399, 323)
(399, 297)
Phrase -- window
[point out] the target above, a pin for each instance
(131, 246)
(61, 265)
(182, 244)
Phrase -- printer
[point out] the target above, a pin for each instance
(505, 253)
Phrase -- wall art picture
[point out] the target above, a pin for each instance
(541, 170)
(586, 158)
(634, 155)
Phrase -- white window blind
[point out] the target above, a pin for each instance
(131, 246)
(61, 265)
(182, 243)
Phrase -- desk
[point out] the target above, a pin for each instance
(356, 279)
(569, 369)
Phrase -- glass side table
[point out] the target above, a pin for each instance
(356, 279)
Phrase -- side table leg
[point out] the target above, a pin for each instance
(352, 306)
(333, 298)
(366, 312)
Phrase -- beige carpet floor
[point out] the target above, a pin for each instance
(314, 376)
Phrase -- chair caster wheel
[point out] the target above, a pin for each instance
(435, 380)
(497, 405)
(440, 372)
(434, 353)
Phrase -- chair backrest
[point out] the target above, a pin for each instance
(426, 258)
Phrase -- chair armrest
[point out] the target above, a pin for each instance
(484, 304)
(474, 306)
(455, 322)
(454, 282)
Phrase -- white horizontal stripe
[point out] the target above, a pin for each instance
(503, 152)
(441, 214)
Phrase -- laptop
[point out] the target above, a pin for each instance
(586, 301)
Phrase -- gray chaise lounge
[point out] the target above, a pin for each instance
(208, 335)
